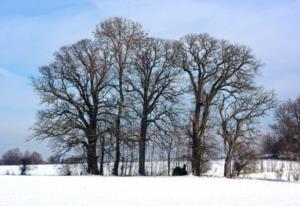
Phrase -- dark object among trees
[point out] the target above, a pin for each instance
(179, 171)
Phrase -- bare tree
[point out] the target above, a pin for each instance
(286, 129)
(212, 66)
(24, 165)
(54, 159)
(121, 37)
(239, 116)
(12, 157)
(153, 89)
(75, 89)
(269, 145)
(36, 158)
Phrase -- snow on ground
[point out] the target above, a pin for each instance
(265, 169)
(43, 187)
(138, 191)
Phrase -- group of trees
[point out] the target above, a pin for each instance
(113, 97)
(284, 139)
(16, 157)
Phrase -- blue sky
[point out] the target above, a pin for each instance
(31, 30)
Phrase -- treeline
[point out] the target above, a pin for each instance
(283, 141)
(125, 96)
(16, 157)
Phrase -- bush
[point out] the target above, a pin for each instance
(178, 171)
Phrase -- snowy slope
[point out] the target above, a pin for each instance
(133, 191)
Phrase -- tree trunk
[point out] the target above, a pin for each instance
(92, 159)
(91, 134)
(102, 157)
(196, 159)
(131, 161)
(169, 161)
(142, 147)
(227, 165)
(118, 125)
(117, 157)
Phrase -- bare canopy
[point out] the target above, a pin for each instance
(212, 66)
(74, 87)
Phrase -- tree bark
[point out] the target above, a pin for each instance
(227, 166)
(169, 162)
(118, 129)
(142, 147)
(102, 157)
(196, 159)
(92, 158)
(117, 157)
(91, 134)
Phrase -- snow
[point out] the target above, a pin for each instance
(134, 191)
(44, 187)
(265, 169)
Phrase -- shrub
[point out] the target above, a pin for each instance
(178, 171)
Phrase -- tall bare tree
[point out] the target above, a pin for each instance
(212, 66)
(75, 89)
(121, 37)
(239, 114)
(153, 89)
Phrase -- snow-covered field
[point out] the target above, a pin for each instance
(265, 169)
(143, 191)
(43, 187)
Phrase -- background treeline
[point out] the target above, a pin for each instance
(282, 142)
(125, 96)
(16, 157)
